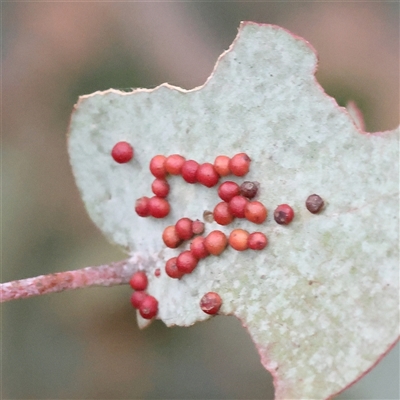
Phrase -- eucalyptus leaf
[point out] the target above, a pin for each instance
(321, 301)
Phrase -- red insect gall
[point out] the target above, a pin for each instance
(142, 207)
(228, 190)
(238, 239)
(186, 262)
(160, 187)
(222, 214)
(172, 270)
(283, 214)
(197, 227)
(210, 303)
(249, 189)
(139, 281)
(170, 237)
(257, 241)
(137, 297)
(122, 152)
(184, 228)
(255, 212)
(240, 164)
(158, 207)
(157, 272)
(189, 171)
(216, 242)
(157, 166)
(148, 307)
(221, 165)
(207, 175)
(237, 206)
(314, 203)
(174, 163)
(198, 248)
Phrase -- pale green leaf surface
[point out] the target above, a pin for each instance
(321, 302)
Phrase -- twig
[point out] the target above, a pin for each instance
(117, 273)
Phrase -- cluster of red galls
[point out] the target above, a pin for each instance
(147, 305)
(192, 172)
(202, 246)
(237, 202)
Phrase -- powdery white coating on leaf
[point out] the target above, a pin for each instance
(321, 302)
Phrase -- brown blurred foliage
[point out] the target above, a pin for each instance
(85, 344)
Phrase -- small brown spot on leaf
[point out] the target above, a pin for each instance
(314, 203)
(249, 189)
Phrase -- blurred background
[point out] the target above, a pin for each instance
(85, 344)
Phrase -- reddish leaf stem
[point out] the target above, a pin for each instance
(117, 273)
